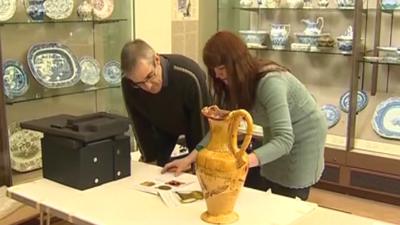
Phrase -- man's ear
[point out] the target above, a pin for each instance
(157, 58)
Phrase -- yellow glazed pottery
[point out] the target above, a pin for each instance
(222, 166)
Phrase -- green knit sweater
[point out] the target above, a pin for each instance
(294, 131)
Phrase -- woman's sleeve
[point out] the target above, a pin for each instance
(272, 95)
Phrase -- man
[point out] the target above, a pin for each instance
(163, 95)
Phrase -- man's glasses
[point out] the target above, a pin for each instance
(148, 78)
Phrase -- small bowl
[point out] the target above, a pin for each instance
(345, 43)
(253, 37)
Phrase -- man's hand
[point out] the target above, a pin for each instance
(177, 166)
(180, 165)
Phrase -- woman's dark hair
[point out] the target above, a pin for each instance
(244, 71)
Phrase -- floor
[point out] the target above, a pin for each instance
(358, 206)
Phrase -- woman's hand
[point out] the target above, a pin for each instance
(180, 165)
(253, 160)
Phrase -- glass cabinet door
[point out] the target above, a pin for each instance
(49, 49)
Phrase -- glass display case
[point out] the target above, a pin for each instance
(59, 57)
(376, 152)
(350, 84)
(307, 41)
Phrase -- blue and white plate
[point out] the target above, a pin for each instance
(53, 65)
(362, 101)
(332, 114)
(15, 79)
(90, 70)
(112, 72)
(386, 120)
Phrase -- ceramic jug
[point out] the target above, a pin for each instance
(279, 35)
(314, 27)
(222, 166)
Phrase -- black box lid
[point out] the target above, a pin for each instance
(85, 128)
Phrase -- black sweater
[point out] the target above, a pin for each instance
(158, 119)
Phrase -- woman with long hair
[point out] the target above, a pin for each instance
(291, 156)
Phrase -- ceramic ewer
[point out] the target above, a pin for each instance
(222, 166)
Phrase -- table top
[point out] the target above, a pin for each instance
(119, 203)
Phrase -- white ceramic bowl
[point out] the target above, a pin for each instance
(345, 43)
(253, 37)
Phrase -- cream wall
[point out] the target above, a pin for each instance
(153, 23)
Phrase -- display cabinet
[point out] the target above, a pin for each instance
(58, 57)
(376, 153)
(339, 77)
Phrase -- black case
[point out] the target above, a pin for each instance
(85, 151)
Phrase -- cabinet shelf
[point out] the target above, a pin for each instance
(347, 9)
(321, 50)
(381, 62)
(63, 21)
(390, 11)
(50, 93)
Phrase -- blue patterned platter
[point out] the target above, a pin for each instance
(15, 79)
(90, 70)
(112, 72)
(362, 101)
(53, 65)
(332, 114)
(386, 120)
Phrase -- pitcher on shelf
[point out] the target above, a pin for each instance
(313, 27)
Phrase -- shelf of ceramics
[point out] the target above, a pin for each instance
(319, 50)
(344, 9)
(96, 21)
(59, 93)
(380, 60)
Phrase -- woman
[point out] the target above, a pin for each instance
(291, 157)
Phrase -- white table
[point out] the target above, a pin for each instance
(118, 203)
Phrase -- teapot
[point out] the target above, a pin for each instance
(312, 27)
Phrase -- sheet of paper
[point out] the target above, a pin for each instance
(164, 182)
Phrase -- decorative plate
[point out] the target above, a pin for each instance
(332, 114)
(53, 65)
(112, 72)
(7, 9)
(102, 9)
(25, 148)
(90, 70)
(15, 79)
(386, 119)
(58, 9)
(362, 101)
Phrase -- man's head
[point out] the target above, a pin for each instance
(141, 65)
